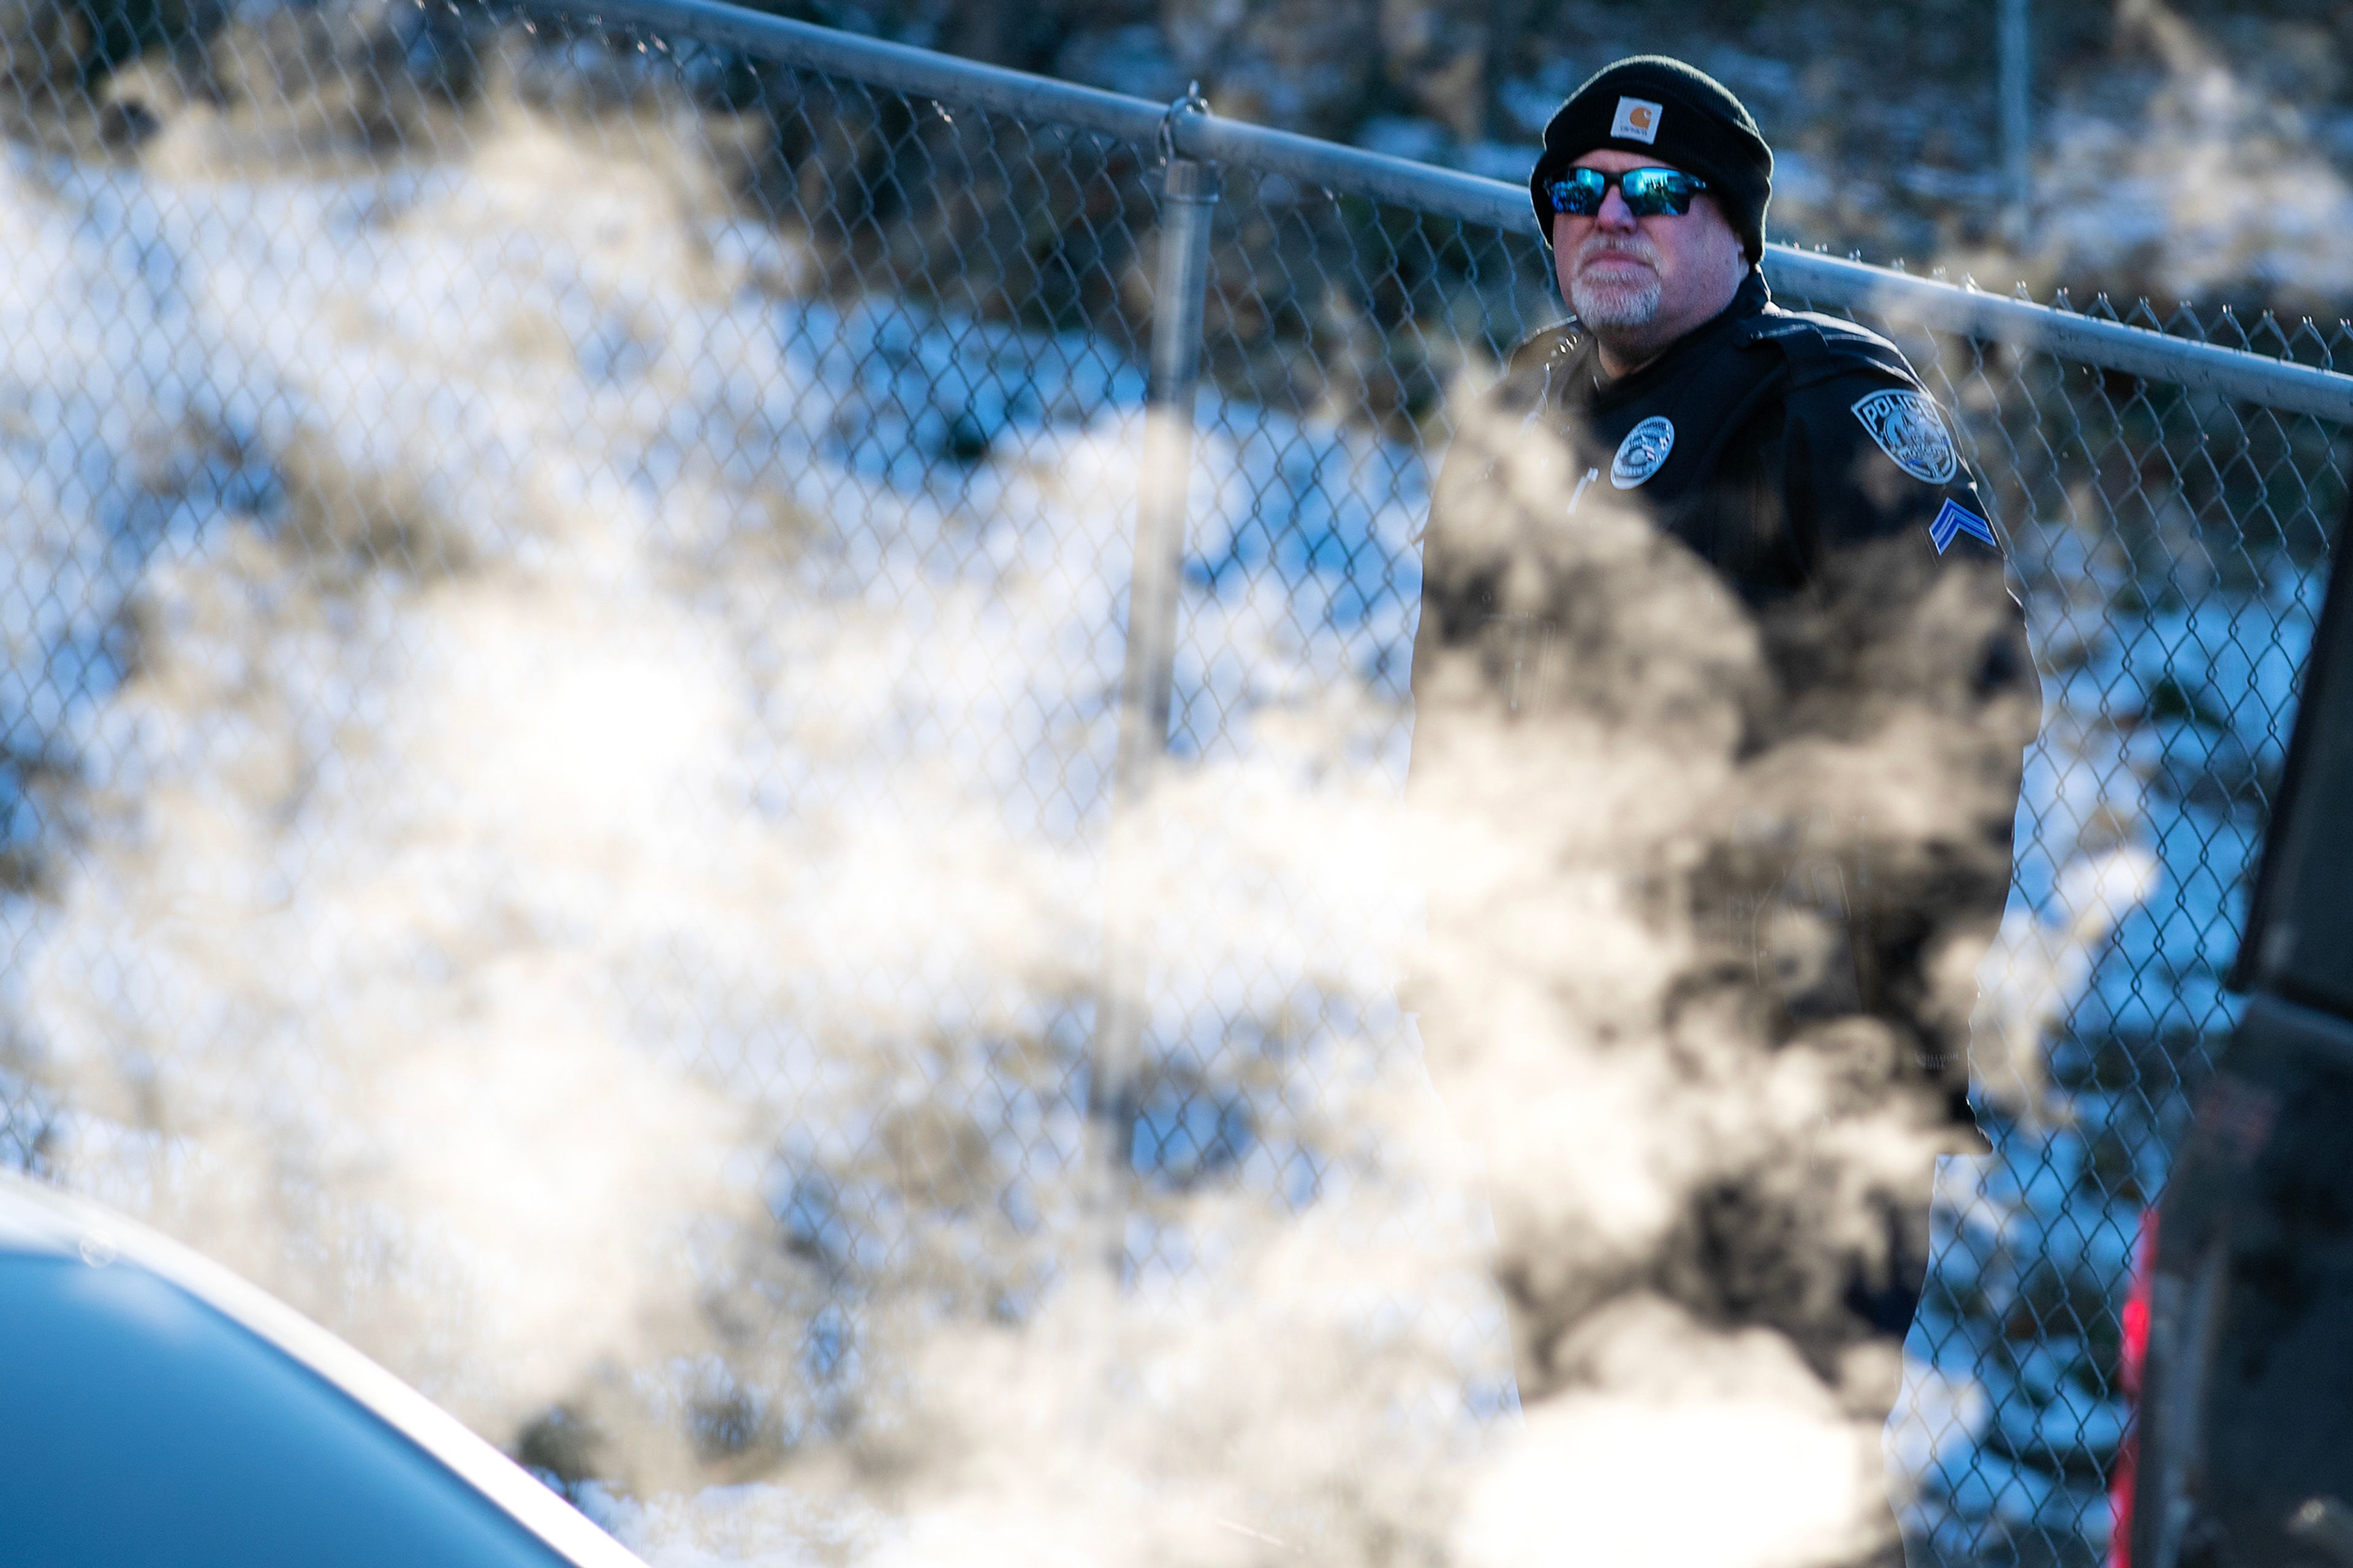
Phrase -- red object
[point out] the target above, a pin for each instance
(2133, 1350)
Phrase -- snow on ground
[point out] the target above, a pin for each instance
(2222, 183)
(585, 770)
(566, 764)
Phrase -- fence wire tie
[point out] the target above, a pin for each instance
(1192, 102)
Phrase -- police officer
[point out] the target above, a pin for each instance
(1793, 473)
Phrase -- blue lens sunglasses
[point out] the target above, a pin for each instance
(1648, 193)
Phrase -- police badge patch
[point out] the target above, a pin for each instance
(1909, 429)
(1643, 453)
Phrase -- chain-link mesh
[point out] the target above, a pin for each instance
(429, 426)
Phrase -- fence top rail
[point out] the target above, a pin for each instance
(1967, 313)
(1928, 303)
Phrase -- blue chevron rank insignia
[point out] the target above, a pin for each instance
(1955, 519)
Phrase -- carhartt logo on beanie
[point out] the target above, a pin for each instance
(1681, 116)
(1637, 120)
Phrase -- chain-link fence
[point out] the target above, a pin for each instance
(431, 424)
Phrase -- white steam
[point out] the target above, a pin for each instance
(585, 888)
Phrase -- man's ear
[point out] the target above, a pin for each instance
(1739, 246)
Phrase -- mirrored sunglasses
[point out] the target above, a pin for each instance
(1648, 193)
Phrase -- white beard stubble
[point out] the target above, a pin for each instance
(1614, 305)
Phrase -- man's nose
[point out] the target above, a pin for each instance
(1615, 213)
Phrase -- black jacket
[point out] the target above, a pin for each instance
(1800, 460)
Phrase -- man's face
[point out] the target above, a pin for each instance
(1647, 276)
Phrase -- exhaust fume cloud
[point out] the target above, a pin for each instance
(585, 890)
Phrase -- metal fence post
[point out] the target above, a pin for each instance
(2017, 73)
(1188, 199)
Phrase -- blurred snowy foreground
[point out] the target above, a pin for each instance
(569, 798)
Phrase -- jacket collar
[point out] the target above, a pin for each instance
(1599, 390)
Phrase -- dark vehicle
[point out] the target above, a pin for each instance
(158, 1412)
(2245, 1313)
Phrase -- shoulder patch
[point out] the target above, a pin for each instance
(1953, 520)
(1643, 453)
(1909, 429)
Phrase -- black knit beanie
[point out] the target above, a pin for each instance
(1683, 117)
